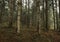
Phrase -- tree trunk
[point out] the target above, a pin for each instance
(19, 7)
(11, 11)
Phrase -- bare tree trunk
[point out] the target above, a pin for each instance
(0, 10)
(19, 7)
(38, 16)
(56, 16)
(59, 15)
(46, 15)
(11, 12)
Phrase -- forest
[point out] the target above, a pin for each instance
(29, 20)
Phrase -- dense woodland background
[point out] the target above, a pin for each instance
(39, 19)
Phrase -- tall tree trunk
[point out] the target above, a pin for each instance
(56, 16)
(11, 11)
(19, 14)
(59, 15)
(0, 10)
(38, 18)
(46, 14)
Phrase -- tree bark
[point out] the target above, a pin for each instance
(19, 7)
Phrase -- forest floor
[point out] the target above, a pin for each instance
(10, 35)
